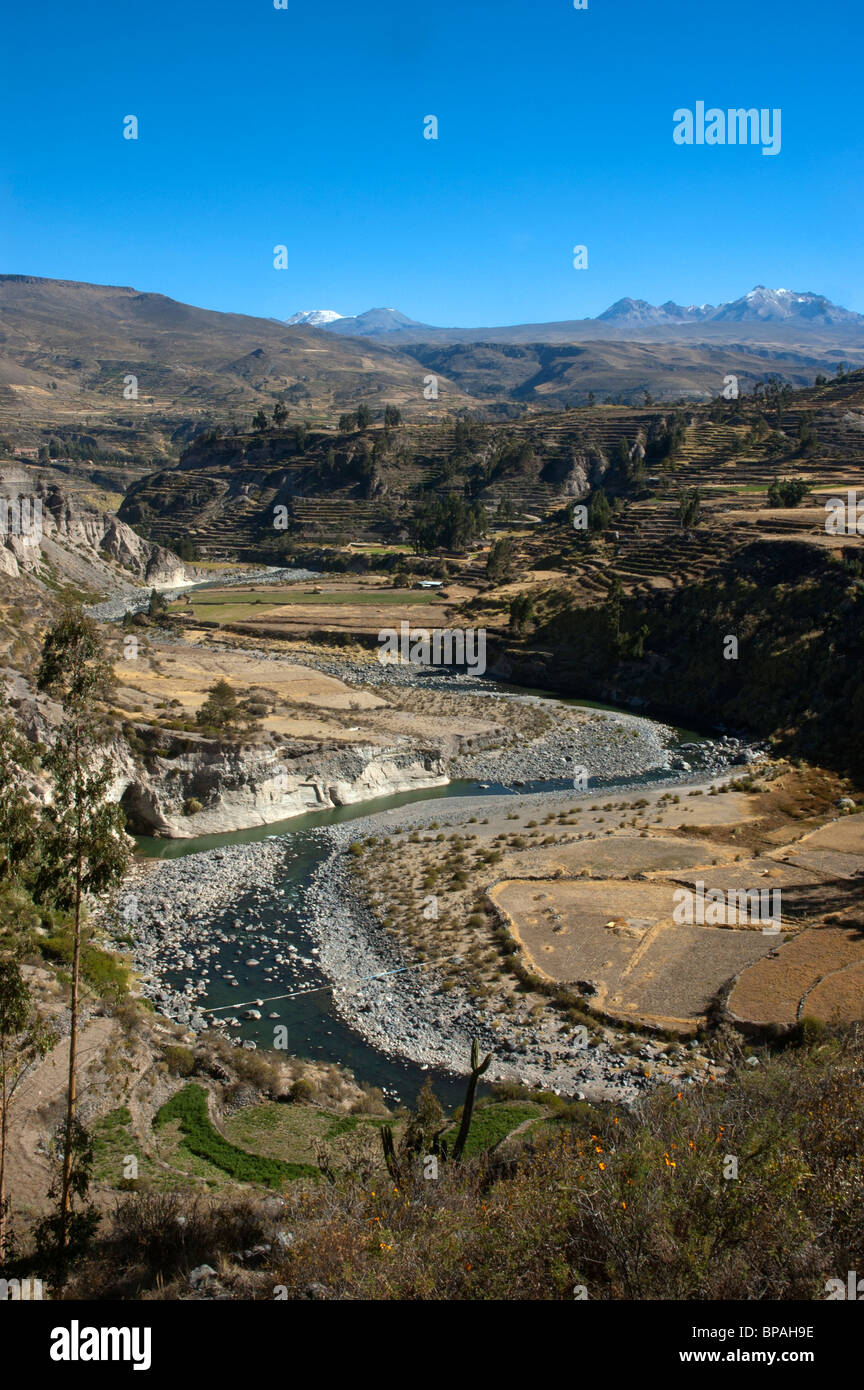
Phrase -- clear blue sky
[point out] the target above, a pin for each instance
(304, 127)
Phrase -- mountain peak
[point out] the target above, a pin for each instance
(759, 305)
(313, 318)
(375, 321)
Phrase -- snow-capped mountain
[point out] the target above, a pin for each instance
(640, 311)
(759, 305)
(314, 318)
(781, 306)
(375, 322)
(764, 313)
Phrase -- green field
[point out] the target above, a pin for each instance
(493, 1122)
(232, 603)
(189, 1106)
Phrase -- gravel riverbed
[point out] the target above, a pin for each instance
(180, 914)
(208, 917)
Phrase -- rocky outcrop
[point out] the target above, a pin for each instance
(214, 789)
(587, 470)
(43, 528)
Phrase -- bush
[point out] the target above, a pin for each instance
(180, 1060)
(787, 492)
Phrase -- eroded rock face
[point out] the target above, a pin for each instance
(212, 790)
(586, 472)
(42, 524)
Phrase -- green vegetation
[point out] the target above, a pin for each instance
(189, 1106)
(448, 523)
(82, 850)
(235, 605)
(491, 1123)
(629, 1204)
(787, 492)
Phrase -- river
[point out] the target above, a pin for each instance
(259, 925)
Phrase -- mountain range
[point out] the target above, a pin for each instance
(756, 310)
(71, 353)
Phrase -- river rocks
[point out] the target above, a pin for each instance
(173, 582)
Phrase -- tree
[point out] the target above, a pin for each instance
(614, 604)
(260, 421)
(807, 440)
(83, 843)
(392, 415)
(599, 511)
(157, 606)
(280, 413)
(689, 508)
(451, 522)
(787, 492)
(778, 393)
(364, 417)
(17, 813)
(220, 710)
(620, 457)
(521, 612)
(62, 1238)
(501, 560)
(23, 1040)
(348, 422)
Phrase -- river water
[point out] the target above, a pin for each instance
(314, 1029)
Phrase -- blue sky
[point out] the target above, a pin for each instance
(304, 127)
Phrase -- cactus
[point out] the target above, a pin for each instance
(415, 1143)
(390, 1158)
(477, 1070)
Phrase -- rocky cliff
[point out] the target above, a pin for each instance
(51, 532)
(213, 789)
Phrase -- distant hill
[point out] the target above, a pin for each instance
(70, 352)
(640, 311)
(67, 349)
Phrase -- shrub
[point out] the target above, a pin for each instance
(180, 1060)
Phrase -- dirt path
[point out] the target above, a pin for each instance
(39, 1097)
